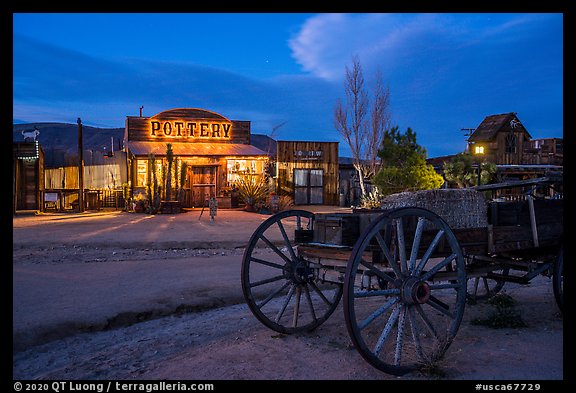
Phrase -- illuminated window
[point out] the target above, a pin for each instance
(142, 173)
(236, 168)
(479, 150)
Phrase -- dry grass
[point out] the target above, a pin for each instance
(503, 316)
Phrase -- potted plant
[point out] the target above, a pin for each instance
(139, 207)
(139, 203)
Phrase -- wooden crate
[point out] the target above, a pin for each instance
(336, 228)
(518, 212)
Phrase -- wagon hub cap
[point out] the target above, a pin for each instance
(415, 291)
(298, 271)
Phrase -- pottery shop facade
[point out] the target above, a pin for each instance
(209, 152)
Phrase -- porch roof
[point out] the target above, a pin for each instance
(183, 149)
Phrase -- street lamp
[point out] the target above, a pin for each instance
(479, 152)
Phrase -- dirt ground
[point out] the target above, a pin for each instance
(228, 343)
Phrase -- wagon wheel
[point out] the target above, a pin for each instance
(484, 287)
(407, 318)
(558, 279)
(281, 287)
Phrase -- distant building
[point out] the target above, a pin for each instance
(545, 151)
(28, 176)
(503, 140)
(500, 139)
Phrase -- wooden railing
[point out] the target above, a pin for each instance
(62, 200)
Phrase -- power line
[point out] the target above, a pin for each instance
(467, 131)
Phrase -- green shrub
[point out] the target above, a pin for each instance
(252, 188)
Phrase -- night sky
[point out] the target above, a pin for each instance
(285, 71)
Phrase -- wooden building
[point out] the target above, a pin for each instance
(210, 154)
(503, 140)
(103, 178)
(308, 172)
(104, 165)
(214, 149)
(500, 139)
(28, 176)
(544, 151)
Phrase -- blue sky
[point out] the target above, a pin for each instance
(445, 71)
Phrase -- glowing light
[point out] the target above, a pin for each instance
(181, 128)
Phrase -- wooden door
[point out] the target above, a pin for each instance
(308, 186)
(27, 184)
(203, 184)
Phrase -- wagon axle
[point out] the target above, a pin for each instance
(415, 291)
(298, 271)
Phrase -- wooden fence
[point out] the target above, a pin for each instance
(102, 187)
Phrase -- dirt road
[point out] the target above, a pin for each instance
(227, 342)
(69, 275)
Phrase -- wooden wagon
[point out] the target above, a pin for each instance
(404, 273)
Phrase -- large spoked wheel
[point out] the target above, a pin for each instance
(484, 287)
(281, 287)
(405, 290)
(558, 279)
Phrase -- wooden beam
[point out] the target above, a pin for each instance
(518, 183)
(533, 226)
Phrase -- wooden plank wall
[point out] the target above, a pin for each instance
(95, 177)
(288, 160)
(502, 157)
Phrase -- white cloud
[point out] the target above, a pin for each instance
(394, 42)
(327, 42)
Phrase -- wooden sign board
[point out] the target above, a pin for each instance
(187, 125)
(213, 205)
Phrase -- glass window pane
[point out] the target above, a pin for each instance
(300, 177)
(142, 172)
(316, 195)
(316, 178)
(300, 196)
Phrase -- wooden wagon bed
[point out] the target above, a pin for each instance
(404, 273)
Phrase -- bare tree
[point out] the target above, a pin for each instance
(381, 118)
(364, 136)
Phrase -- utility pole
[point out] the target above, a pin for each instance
(80, 168)
(467, 133)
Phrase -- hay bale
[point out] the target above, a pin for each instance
(460, 208)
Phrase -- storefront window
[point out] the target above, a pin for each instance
(142, 173)
(237, 168)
